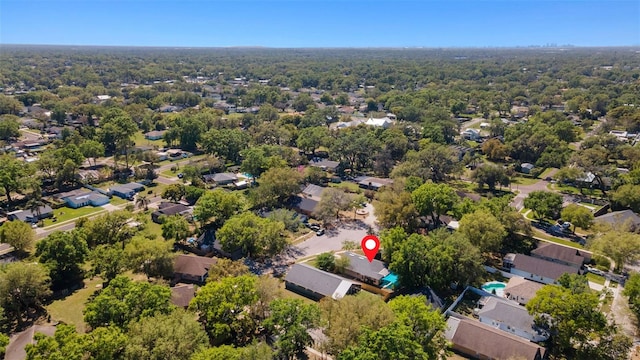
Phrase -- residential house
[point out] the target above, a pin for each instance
(169, 209)
(521, 290)
(471, 134)
(208, 242)
(362, 270)
(82, 197)
(509, 317)
(191, 268)
(324, 164)
(304, 205)
(384, 122)
(312, 191)
(44, 211)
(182, 294)
(621, 218)
(526, 168)
(482, 341)
(372, 183)
(317, 284)
(536, 269)
(561, 254)
(154, 135)
(126, 191)
(221, 178)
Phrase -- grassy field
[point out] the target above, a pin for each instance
(521, 180)
(139, 139)
(115, 201)
(69, 309)
(595, 278)
(569, 243)
(546, 173)
(347, 185)
(64, 213)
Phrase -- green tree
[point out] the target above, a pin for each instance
(23, 288)
(544, 204)
(346, 319)
(310, 139)
(92, 149)
(63, 253)
(218, 205)
(619, 245)
(224, 268)
(409, 261)
(9, 105)
(65, 344)
(453, 260)
(390, 240)
(226, 143)
(165, 337)
(632, 290)
(577, 215)
(290, 320)
(106, 343)
(326, 261)
(491, 175)
(111, 228)
(427, 323)
(18, 234)
(494, 149)
(394, 207)
(117, 128)
(256, 351)
(173, 192)
(332, 202)
(9, 127)
(254, 162)
(14, 174)
(107, 261)
(224, 309)
(124, 301)
(154, 258)
(254, 235)
(434, 200)
(627, 196)
(276, 185)
(392, 342)
(571, 316)
(483, 230)
(175, 227)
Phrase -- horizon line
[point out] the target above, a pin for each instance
(416, 47)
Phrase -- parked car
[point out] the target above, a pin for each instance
(320, 232)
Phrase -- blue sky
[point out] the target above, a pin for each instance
(312, 23)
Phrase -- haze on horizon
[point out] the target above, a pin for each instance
(321, 24)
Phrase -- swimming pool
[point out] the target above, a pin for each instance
(391, 280)
(494, 287)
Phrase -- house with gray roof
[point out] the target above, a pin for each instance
(81, 197)
(45, 211)
(221, 178)
(317, 284)
(324, 164)
(372, 183)
(561, 254)
(482, 341)
(362, 270)
(521, 290)
(621, 218)
(126, 191)
(313, 191)
(509, 317)
(536, 269)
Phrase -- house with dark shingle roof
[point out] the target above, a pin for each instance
(324, 164)
(620, 218)
(192, 269)
(221, 178)
(510, 317)
(482, 341)
(536, 269)
(30, 216)
(154, 135)
(313, 191)
(317, 284)
(182, 294)
(561, 254)
(168, 209)
(521, 290)
(362, 270)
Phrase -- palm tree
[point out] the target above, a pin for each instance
(142, 201)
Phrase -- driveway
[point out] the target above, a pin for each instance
(15, 349)
(524, 190)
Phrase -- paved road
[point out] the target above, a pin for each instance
(524, 190)
(471, 123)
(15, 349)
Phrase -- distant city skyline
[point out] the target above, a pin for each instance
(329, 24)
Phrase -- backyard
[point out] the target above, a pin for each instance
(69, 310)
(65, 213)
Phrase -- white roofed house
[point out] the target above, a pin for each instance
(384, 122)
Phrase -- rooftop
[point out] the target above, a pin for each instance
(313, 191)
(507, 313)
(541, 267)
(181, 294)
(620, 218)
(192, 265)
(563, 253)
(489, 342)
(318, 281)
(361, 265)
(521, 289)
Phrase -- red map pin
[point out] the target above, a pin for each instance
(370, 245)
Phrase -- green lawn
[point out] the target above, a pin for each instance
(556, 240)
(595, 278)
(139, 140)
(347, 185)
(521, 180)
(546, 173)
(115, 201)
(64, 213)
(69, 309)
(153, 228)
